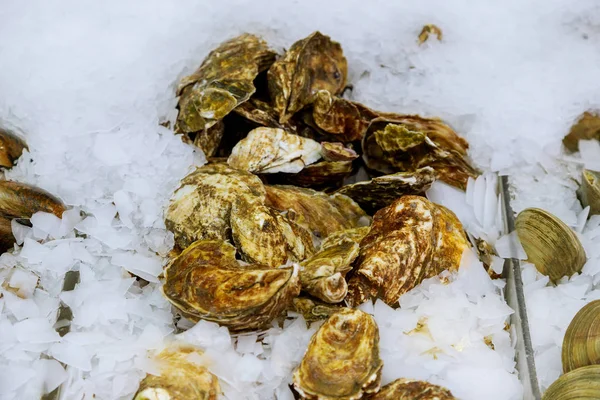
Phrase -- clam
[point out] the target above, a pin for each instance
(180, 378)
(342, 359)
(587, 127)
(589, 192)
(581, 344)
(580, 384)
(206, 282)
(550, 245)
(409, 389)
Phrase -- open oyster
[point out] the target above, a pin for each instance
(580, 384)
(581, 344)
(11, 148)
(323, 274)
(382, 191)
(311, 64)
(206, 282)
(270, 150)
(407, 143)
(223, 81)
(410, 240)
(589, 191)
(408, 389)
(201, 207)
(342, 360)
(180, 378)
(587, 127)
(320, 213)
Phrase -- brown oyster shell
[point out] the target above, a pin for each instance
(342, 360)
(180, 378)
(411, 142)
(337, 152)
(201, 207)
(206, 282)
(20, 200)
(320, 213)
(311, 64)
(355, 234)
(408, 389)
(427, 30)
(313, 309)
(410, 240)
(11, 148)
(382, 191)
(587, 127)
(323, 274)
(208, 140)
(271, 150)
(321, 175)
(223, 81)
(262, 235)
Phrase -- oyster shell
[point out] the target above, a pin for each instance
(20, 200)
(337, 152)
(313, 309)
(311, 64)
(409, 389)
(206, 282)
(223, 81)
(580, 384)
(270, 150)
(587, 127)
(320, 213)
(410, 240)
(180, 378)
(589, 191)
(355, 234)
(342, 360)
(264, 236)
(201, 207)
(323, 274)
(551, 246)
(320, 175)
(11, 148)
(427, 30)
(581, 344)
(382, 191)
(407, 143)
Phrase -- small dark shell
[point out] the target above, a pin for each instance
(11, 148)
(408, 389)
(587, 127)
(384, 190)
(311, 64)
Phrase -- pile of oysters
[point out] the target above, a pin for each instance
(309, 203)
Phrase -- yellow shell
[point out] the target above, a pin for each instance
(581, 345)
(550, 245)
(589, 192)
(580, 384)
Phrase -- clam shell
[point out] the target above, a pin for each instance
(589, 192)
(580, 384)
(581, 344)
(550, 245)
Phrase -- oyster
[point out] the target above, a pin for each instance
(580, 384)
(581, 344)
(428, 30)
(587, 127)
(320, 175)
(180, 378)
(355, 234)
(311, 64)
(382, 191)
(551, 246)
(410, 240)
(207, 282)
(342, 360)
(408, 389)
(405, 144)
(223, 81)
(337, 152)
(589, 191)
(20, 200)
(270, 150)
(323, 274)
(11, 148)
(313, 309)
(264, 236)
(201, 207)
(320, 213)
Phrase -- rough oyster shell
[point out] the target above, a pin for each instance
(410, 240)
(180, 378)
(382, 191)
(589, 191)
(580, 384)
(355, 234)
(337, 152)
(270, 150)
(20, 200)
(342, 360)
(206, 282)
(223, 81)
(320, 213)
(11, 148)
(550, 244)
(201, 207)
(311, 64)
(409, 389)
(313, 309)
(587, 127)
(581, 344)
(320, 175)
